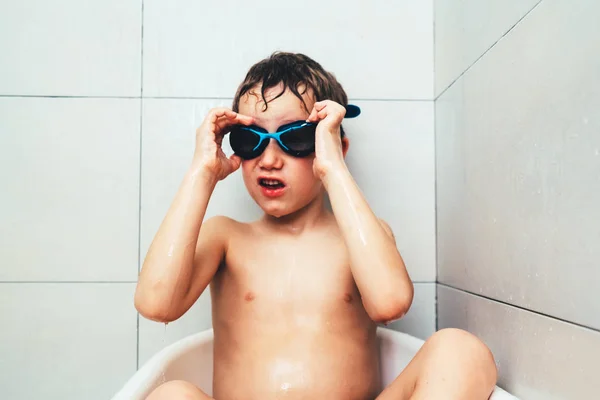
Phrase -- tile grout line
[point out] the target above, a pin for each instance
(435, 221)
(520, 307)
(42, 96)
(137, 352)
(65, 282)
(181, 97)
(485, 52)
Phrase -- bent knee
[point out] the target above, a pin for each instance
(177, 390)
(467, 349)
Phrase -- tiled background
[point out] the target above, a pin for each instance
(99, 101)
(518, 187)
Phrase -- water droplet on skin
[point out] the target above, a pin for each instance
(164, 345)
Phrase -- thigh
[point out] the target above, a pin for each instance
(451, 364)
(178, 390)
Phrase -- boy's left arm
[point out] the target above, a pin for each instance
(376, 264)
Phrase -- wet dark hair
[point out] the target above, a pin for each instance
(293, 70)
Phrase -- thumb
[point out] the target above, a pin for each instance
(313, 117)
(234, 163)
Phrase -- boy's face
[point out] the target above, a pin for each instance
(297, 185)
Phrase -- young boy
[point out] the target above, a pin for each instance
(296, 295)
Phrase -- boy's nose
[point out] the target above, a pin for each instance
(271, 158)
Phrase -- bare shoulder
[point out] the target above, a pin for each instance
(221, 234)
(221, 225)
(386, 227)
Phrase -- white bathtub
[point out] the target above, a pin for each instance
(191, 359)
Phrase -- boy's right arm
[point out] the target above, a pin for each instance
(186, 253)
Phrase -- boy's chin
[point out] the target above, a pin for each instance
(277, 212)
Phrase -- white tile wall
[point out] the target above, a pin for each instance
(519, 167)
(69, 169)
(420, 319)
(376, 49)
(465, 29)
(391, 156)
(70, 47)
(66, 341)
(539, 358)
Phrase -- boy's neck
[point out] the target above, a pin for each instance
(307, 217)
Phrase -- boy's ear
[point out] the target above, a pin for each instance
(345, 145)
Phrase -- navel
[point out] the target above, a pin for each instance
(348, 298)
(249, 296)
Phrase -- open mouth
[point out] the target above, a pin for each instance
(271, 183)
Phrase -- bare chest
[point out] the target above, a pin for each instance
(299, 282)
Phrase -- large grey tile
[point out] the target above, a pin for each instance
(69, 169)
(70, 47)
(465, 29)
(155, 336)
(66, 341)
(192, 48)
(391, 157)
(168, 140)
(420, 319)
(518, 156)
(537, 357)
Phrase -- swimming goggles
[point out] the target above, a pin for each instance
(296, 139)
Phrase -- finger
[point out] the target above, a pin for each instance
(222, 113)
(215, 113)
(226, 121)
(335, 113)
(319, 105)
(213, 116)
(234, 163)
(242, 119)
(313, 116)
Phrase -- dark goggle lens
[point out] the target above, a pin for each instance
(244, 142)
(300, 141)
